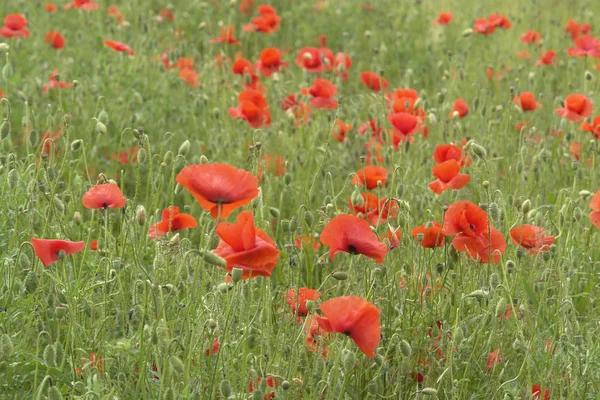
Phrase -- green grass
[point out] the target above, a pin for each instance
(142, 304)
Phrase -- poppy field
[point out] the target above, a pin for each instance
(299, 200)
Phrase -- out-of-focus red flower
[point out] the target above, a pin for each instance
(226, 36)
(14, 26)
(443, 18)
(547, 58)
(118, 46)
(55, 40)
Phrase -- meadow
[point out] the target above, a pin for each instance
(299, 199)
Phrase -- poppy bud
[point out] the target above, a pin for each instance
(76, 145)
(140, 215)
(141, 156)
(236, 275)
(61, 254)
(478, 150)
(420, 237)
(478, 294)
(60, 311)
(31, 282)
(59, 205)
(7, 72)
(4, 47)
(429, 391)
(50, 355)
(225, 388)
(293, 224)
(4, 129)
(526, 206)
(585, 194)
(467, 32)
(257, 394)
(501, 307)
(184, 148)
(329, 207)
(357, 199)
(178, 188)
(287, 178)
(309, 218)
(24, 261)
(103, 117)
(520, 252)
(372, 387)
(6, 347)
(274, 212)
(405, 348)
(177, 364)
(168, 394)
(340, 276)
(485, 184)
(100, 128)
(458, 335)
(310, 305)
(348, 360)
(203, 159)
(285, 225)
(13, 178)
(54, 393)
(432, 119)
(213, 259)
(588, 76)
(285, 385)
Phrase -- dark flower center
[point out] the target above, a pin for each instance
(352, 249)
(347, 333)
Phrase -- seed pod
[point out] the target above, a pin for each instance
(59, 205)
(309, 218)
(140, 215)
(526, 206)
(100, 128)
(287, 178)
(285, 385)
(168, 159)
(236, 275)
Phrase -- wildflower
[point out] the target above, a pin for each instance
(271, 383)
(166, 14)
(316, 60)
(125, 157)
(498, 20)
(322, 92)
(341, 65)
(460, 109)
(114, 12)
(574, 29)
(270, 61)
(432, 235)
(593, 128)
(189, 76)
(466, 218)
(118, 46)
(547, 58)
(226, 36)
(404, 124)
(244, 67)
(87, 5)
(448, 177)
(300, 111)
(307, 241)
(275, 164)
(106, 195)
(493, 359)
(374, 209)
(446, 152)
(252, 108)
(373, 81)
(576, 108)
(536, 392)
(531, 238)
(524, 55)
(172, 220)
(585, 45)
(297, 302)
(95, 361)
(482, 247)
(55, 40)
(530, 37)
(340, 130)
(443, 18)
(55, 84)
(595, 206)
(214, 348)
(244, 246)
(393, 237)
(50, 7)
(371, 176)
(14, 26)
(483, 26)
(350, 234)
(527, 101)
(219, 188)
(314, 333)
(372, 127)
(354, 317)
(50, 251)
(267, 22)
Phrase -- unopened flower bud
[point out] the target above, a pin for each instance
(467, 32)
(309, 218)
(50, 355)
(340, 276)
(100, 128)
(274, 212)
(225, 388)
(13, 178)
(285, 385)
(103, 117)
(140, 215)
(76, 144)
(405, 348)
(588, 76)
(501, 307)
(54, 393)
(177, 364)
(203, 159)
(429, 391)
(184, 148)
(287, 178)
(213, 259)
(4, 47)
(31, 282)
(236, 275)
(4, 129)
(526, 206)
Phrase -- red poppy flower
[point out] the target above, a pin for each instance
(374, 209)
(593, 128)
(433, 235)
(226, 36)
(242, 66)
(298, 302)
(271, 383)
(268, 21)
(574, 29)
(106, 195)
(350, 234)
(354, 317)
(118, 46)
(404, 124)
(576, 108)
(404, 100)
(49, 141)
(482, 247)
(55, 40)
(547, 58)
(252, 108)
(219, 185)
(466, 218)
(370, 176)
(114, 12)
(214, 348)
(493, 359)
(445, 152)
(524, 55)
(448, 177)
(190, 77)
(527, 101)
(246, 6)
(307, 241)
(536, 393)
(166, 14)
(585, 45)
(87, 5)
(125, 157)
(275, 164)
(171, 221)
(393, 237)
(270, 61)
(299, 111)
(341, 65)
(443, 18)
(55, 84)
(531, 238)
(94, 245)
(531, 37)
(50, 7)
(95, 361)
(14, 26)
(499, 20)
(483, 26)
(340, 130)
(595, 206)
(372, 127)
(316, 60)
(50, 251)
(244, 246)
(373, 81)
(313, 334)
(460, 109)
(322, 92)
